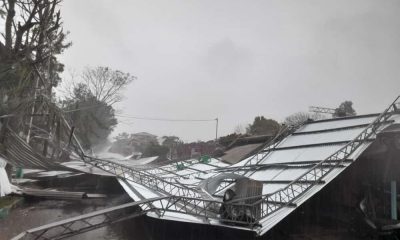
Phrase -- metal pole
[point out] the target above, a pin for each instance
(393, 199)
(216, 131)
(28, 136)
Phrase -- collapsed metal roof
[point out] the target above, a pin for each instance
(278, 165)
(292, 168)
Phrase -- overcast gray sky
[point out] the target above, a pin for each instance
(236, 59)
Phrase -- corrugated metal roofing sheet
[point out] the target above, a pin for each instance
(295, 148)
(338, 123)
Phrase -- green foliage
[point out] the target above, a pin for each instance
(345, 109)
(15, 79)
(228, 139)
(302, 117)
(263, 126)
(143, 142)
(170, 141)
(124, 136)
(8, 201)
(122, 145)
(155, 149)
(31, 45)
(93, 119)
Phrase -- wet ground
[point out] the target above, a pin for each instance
(33, 212)
(36, 212)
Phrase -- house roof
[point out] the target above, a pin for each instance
(237, 154)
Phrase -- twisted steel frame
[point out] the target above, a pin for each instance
(187, 200)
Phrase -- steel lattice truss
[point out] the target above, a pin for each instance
(87, 222)
(322, 110)
(300, 186)
(269, 203)
(261, 154)
(141, 177)
(249, 164)
(192, 201)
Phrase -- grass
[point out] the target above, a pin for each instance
(8, 201)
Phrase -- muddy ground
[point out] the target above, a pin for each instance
(34, 212)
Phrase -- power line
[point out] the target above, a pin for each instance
(166, 119)
(83, 108)
(145, 118)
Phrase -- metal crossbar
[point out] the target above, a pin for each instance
(270, 203)
(87, 222)
(262, 153)
(141, 177)
(321, 110)
(299, 186)
(253, 161)
(189, 200)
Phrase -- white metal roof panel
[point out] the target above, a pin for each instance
(295, 154)
(301, 154)
(337, 123)
(324, 137)
(270, 188)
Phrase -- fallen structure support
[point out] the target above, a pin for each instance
(87, 222)
(53, 194)
(300, 179)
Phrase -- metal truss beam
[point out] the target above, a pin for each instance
(87, 222)
(298, 187)
(334, 129)
(319, 144)
(281, 165)
(346, 118)
(321, 110)
(148, 180)
(183, 199)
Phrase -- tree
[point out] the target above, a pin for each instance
(32, 29)
(170, 141)
(106, 84)
(155, 149)
(240, 129)
(228, 139)
(122, 144)
(122, 136)
(95, 94)
(263, 126)
(345, 109)
(33, 36)
(301, 117)
(93, 119)
(145, 143)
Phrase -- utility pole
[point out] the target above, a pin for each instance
(216, 131)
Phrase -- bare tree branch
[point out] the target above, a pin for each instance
(106, 84)
(9, 22)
